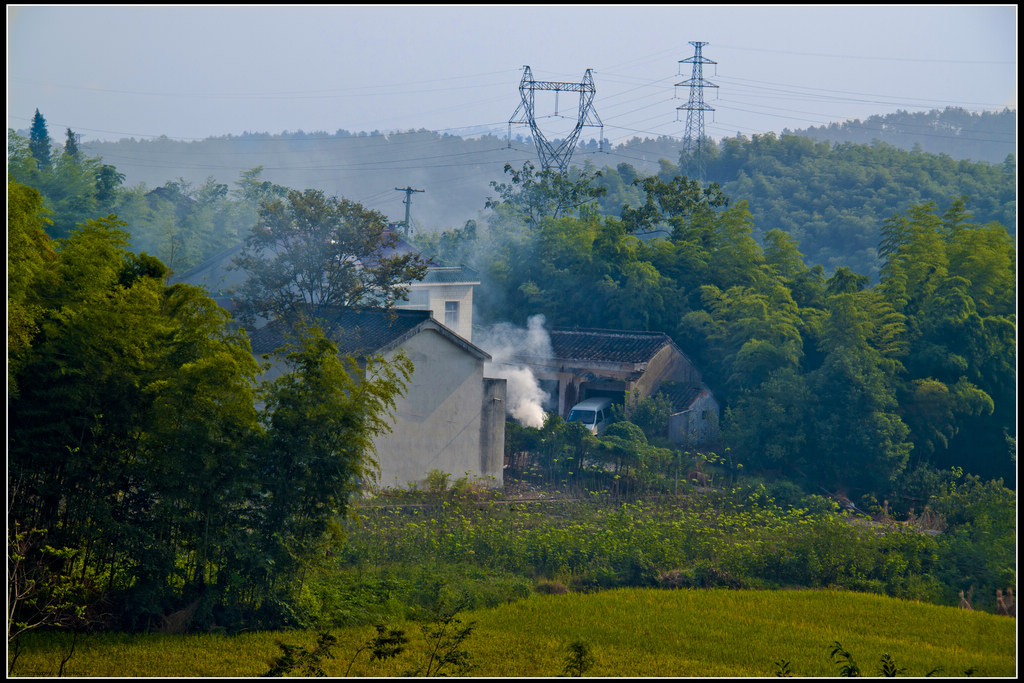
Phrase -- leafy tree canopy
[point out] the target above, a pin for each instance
(310, 253)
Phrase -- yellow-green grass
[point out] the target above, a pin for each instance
(631, 632)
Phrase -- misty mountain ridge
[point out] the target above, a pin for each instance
(455, 171)
(963, 135)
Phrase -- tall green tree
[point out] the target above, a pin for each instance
(531, 195)
(40, 144)
(954, 282)
(29, 255)
(320, 420)
(312, 253)
(770, 426)
(71, 143)
(108, 179)
(860, 442)
(128, 434)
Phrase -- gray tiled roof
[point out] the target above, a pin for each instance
(682, 396)
(357, 333)
(608, 346)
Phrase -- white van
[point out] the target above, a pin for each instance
(594, 413)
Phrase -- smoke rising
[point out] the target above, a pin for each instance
(508, 345)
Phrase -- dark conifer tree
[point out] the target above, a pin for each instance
(71, 144)
(39, 141)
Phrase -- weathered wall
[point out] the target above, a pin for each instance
(698, 425)
(492, 432)
(667, 365)
(437, 425)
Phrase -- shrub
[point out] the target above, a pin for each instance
(786, 493)
(304, 661)
(470, 586)
(437, 482)
(578, 659)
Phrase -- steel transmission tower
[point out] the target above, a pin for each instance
(550, 155)
(695, 107)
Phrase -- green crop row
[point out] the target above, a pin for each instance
(628, 632)
(682, 542)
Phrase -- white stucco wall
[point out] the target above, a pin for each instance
(437, 423)
(434, 296)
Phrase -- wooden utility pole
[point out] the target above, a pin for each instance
(408, 203)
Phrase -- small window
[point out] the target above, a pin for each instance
(451, 314)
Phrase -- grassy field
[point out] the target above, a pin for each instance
(630, 632)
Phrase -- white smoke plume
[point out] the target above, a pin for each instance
(507, 344)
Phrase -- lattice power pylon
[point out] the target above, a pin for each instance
(693, 141)
(551, 156)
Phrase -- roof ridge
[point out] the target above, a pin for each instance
(603, 330)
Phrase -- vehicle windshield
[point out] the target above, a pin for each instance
(585, 416)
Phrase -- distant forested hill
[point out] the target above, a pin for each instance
(831, 195)
(960, 134)
(986, 136)
(834, 198)
(365, 167)
(455, 172)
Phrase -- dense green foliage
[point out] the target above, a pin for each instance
(180, 223)
(140, 467)
(871, 382)
(73, 187)
(834, 198)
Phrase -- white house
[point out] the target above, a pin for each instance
(451, 418)
(447, 292)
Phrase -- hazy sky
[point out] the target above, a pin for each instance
(191, 72)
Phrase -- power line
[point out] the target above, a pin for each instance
(869, 57)
(295, 94)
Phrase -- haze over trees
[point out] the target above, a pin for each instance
(832, 197)
(955, 132)
(149, 471)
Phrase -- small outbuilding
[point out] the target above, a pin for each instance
(694, 417)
